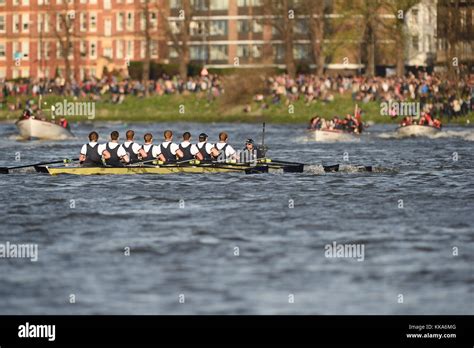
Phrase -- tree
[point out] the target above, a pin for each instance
(64, 32)
(316, 11)
(146, 34)
(178, 31)
(454, 32)
(281, 15)
(399, 9)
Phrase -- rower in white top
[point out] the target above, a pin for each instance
(170, 150)
(226, 151)
(207, 150)
(89, 156)
(133, 149)
(151, 151)
(190, 151)
(113, 153)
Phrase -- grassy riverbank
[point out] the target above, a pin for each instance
(198, 109)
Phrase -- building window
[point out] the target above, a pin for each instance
(199, 5)
(198, 53)
(154, 49)
(243, 51)
(108, 27)
(108, 53)
(119, 49)
(248, 3)
(243, 26)
(16, 23)
(278, 52)
(93, 22)
(142, 21)
(415, 43)
(2, 24)
(107, 4)
(219, 4)
(2, 51)
(83, 49)
(83, 21)
(130, 54)
(218, 28)
(218, 52)
(153, 20)
(463, 15)
(129, 21)
(197, 28)
(92, 50)
(142, 49)
(26, 2)
(2, 2)
(16, 2)
(301, 27)
(301, 52)
(173, 53)
(25, 21)
(257, 26)
(257, 51)
(120, 21)
(174, 4)
(46, 50)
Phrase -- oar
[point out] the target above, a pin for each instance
(6, 170)
(331, 168)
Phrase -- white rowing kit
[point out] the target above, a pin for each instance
(194, 150)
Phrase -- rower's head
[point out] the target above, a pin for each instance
(148, 138)
(114, 136)
(249, 144)
(93, 136)
(168, 135)
(186, 136)
(130, 135)
(202, 137)
(223, 136)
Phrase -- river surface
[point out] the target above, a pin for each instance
(245, 244)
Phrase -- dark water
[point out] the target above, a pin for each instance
(83, 224)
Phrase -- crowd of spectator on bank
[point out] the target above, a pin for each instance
(443, 97)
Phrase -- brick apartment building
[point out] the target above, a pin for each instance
(110, 33)
(100, 33)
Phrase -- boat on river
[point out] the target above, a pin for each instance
(202, 168)
(416, 130)
(34, 128)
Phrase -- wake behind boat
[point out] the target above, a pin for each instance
(332, 135)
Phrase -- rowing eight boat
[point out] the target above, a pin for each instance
(286, 167)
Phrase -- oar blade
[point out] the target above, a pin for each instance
(332, 168)
(4, 170)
